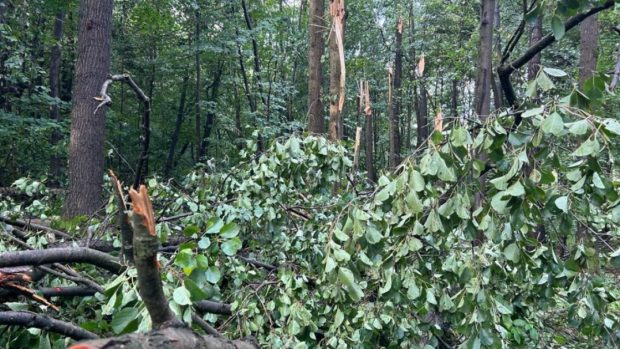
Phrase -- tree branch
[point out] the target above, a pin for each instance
(507, 69)
(105, 99)
(61, 255)
(213, 307)
(28, 319)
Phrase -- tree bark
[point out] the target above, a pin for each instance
(315, 70)
(56, 163)
(497, 90)
(394, 125)
(174, 139)
(86, 149)
(198, 123)
(533, 66)
(485, 67)
(588, 31)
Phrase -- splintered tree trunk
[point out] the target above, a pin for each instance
(335, 71)
(174, 139)
(485, 68)
(588, 31)
(315, 71)
(86, 149)
(535, 35)
(55, 163)
(394, 125)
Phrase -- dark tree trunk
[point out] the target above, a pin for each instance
(588, 31)
(174, 139)
(210, 122)
(485, 67)
(198, 123)
(370, 166)
(394, 125)
(454, 99)
(536, 34)
(257, 74)
(315, 71)
(422, 116)
(86, 150)
(56, 162)
(497, 89)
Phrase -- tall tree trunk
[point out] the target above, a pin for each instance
(86, 149)
(335, 71)
(454, 100)
(56, 162)
(210, 122)
(394, 125)
(497, 90)
(174, 139)
(257, 74)
(315, 71)
(198, 123)
(422, 116)
(535, 35)
(588, 31)
(485, 68)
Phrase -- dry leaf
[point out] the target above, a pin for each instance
(439, 122)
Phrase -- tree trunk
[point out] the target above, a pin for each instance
(335, 71)
(248, 23)
(56, 162)
(394, 125)
(86, 149)
(588, 31)
(497, 89)
(536, 34)
(485, 68)
(198, 123)
(369, 147)
(177, 128)
(315, 71)
(210, 122)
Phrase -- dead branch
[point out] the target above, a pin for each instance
(28, 319)
(31, 226)
(61, 255)
(105, 99)
(213, 307)
(123, 219)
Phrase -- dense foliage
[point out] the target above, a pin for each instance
(491, 234)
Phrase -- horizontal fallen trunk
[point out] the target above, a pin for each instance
(167, 338)
(213, 307)
(28, 319)
(61, 255)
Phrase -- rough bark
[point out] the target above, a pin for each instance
(533, 66)
(166, 338)
(174, 139)
(28, 319)
(394, 124)
(588, 31)
(61, 255)
(198, 123)
(315, 71)
(213, 307)
(497, 90)
(485, 67)
(86, 149)
(54, 79)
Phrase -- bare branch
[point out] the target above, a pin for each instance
(28, 319)
(61, 255)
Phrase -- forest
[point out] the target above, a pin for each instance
(241, 174)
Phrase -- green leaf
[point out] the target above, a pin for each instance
(562, 203)
(373, 235)
(553, 124)
(430, 296)
(557, 25)
(196, 292)
(229, 230)
(544, 82)
(181, 296)
(230, 247)
(204, 243)
(555, 72)
(330, 264)
(433, 222)
(512, 252)
(612, 126)
(214, 224)
(579, 128)
(416, 181)
(213, 274)
(190, 230)
(346, 277)
(122, 318)
(597, 181)
(589, 147)
(516, 189)
(460, 137)
(531, 112)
